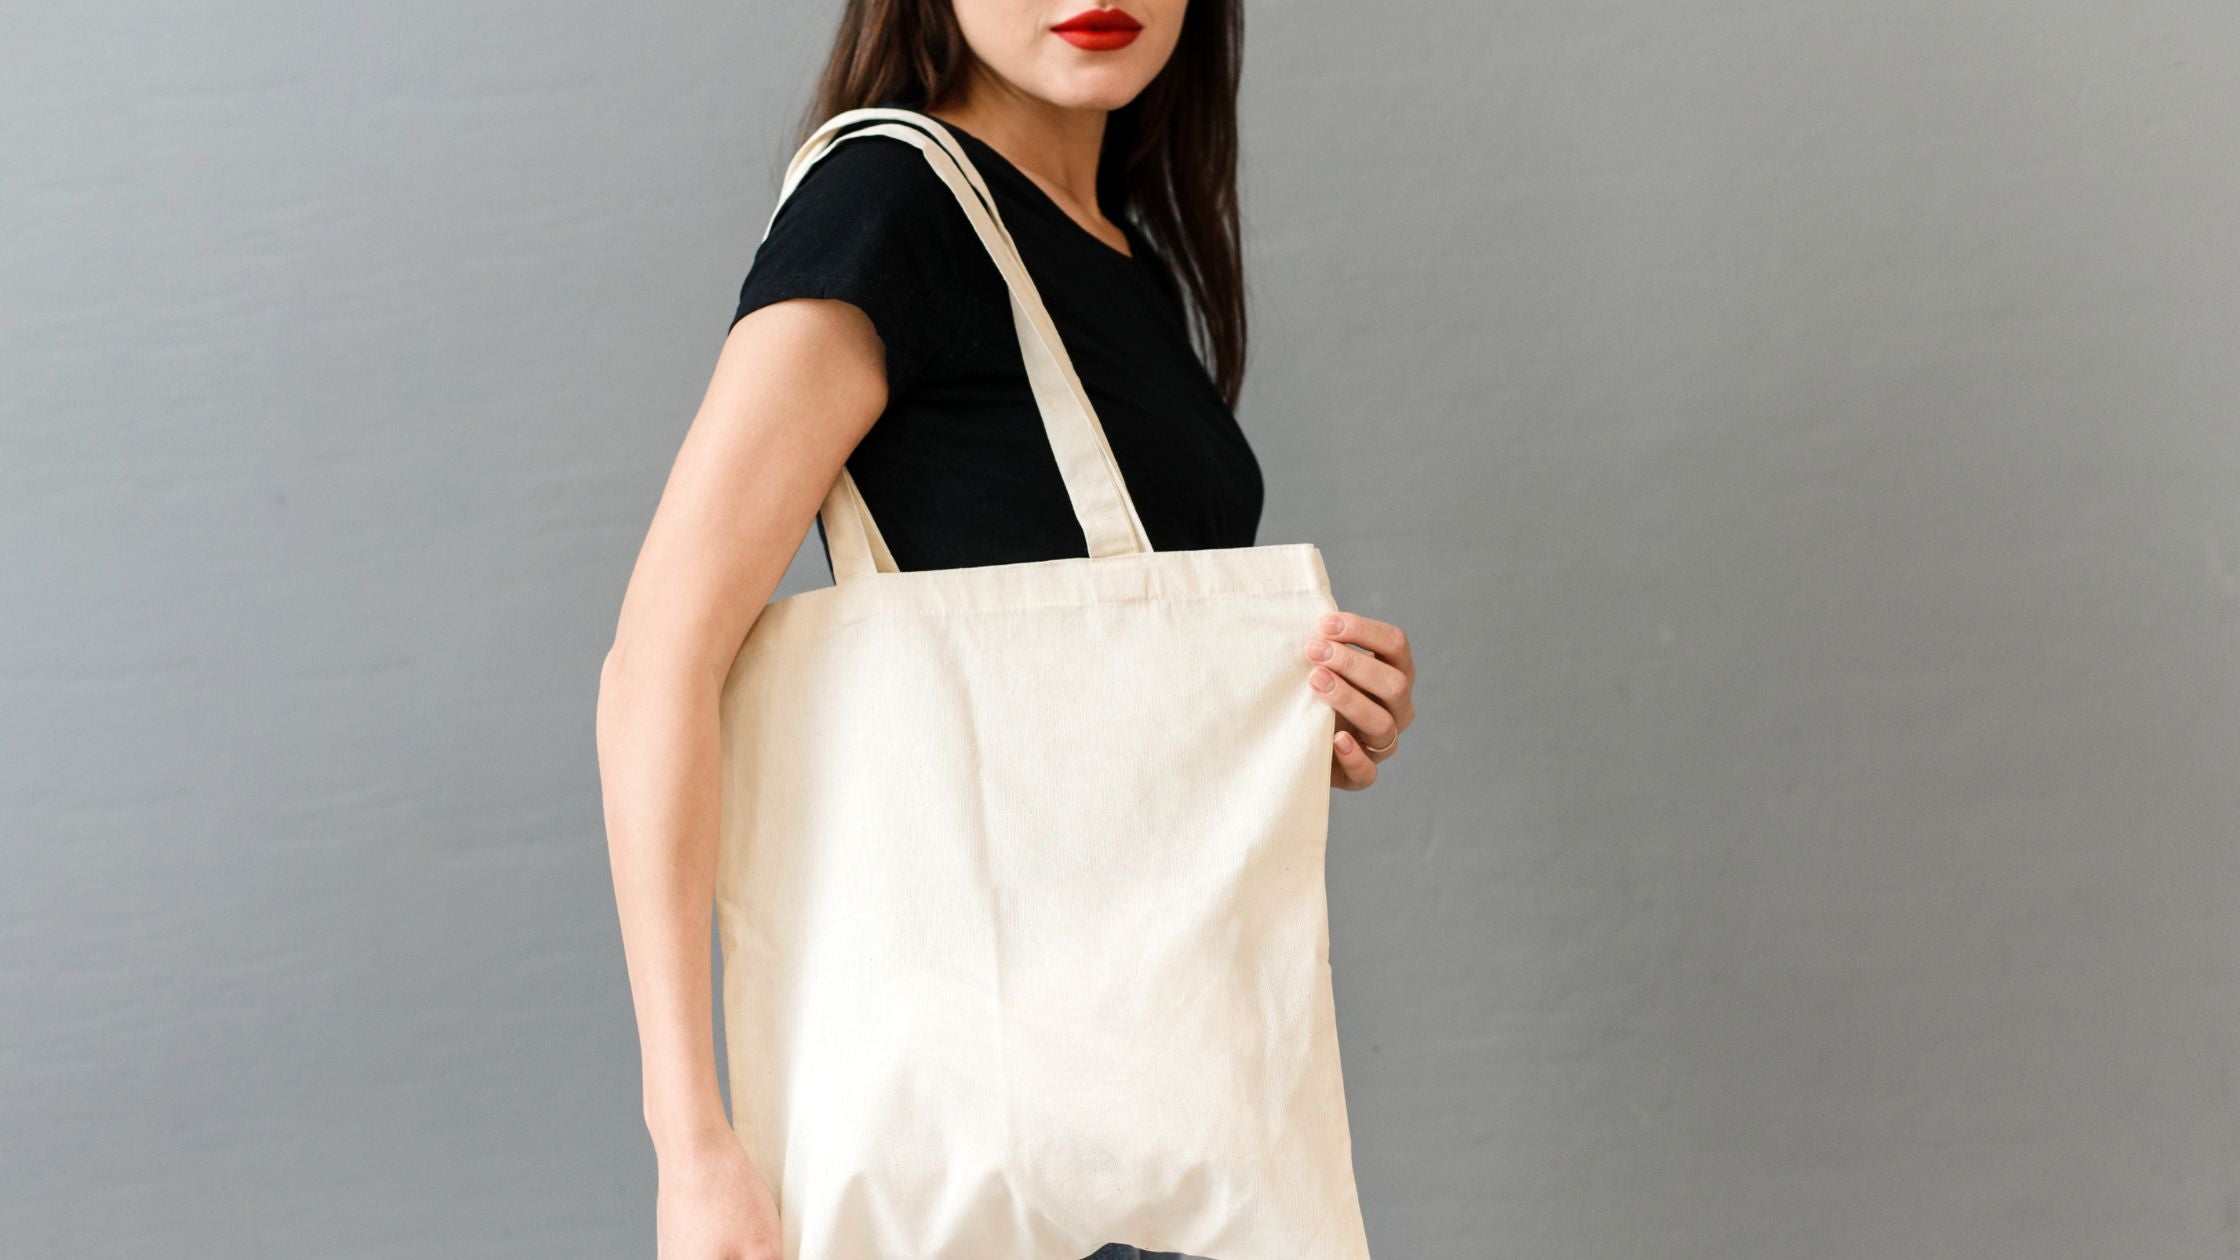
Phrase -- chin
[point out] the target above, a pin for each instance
(1102, 89)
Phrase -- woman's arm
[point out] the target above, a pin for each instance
(797, 384)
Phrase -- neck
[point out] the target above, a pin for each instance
(1054, 146)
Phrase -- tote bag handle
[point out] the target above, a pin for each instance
(1098, 492)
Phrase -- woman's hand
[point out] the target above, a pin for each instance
(1371, 689)
(712, 1204)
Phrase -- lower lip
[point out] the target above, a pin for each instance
(1103, 39)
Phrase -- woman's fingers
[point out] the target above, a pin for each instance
(1387, 666)
(1371, 721)
(1371, 689)
(1368, 674)
(1382, 637)
(1354, 769)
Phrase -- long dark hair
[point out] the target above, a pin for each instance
(1169, 159)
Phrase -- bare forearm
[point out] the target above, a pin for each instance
(659, 749)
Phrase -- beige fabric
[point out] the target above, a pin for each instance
(1020, 888)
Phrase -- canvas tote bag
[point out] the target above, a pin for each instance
(1020, 887)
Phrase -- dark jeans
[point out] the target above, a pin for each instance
(1123, 1251)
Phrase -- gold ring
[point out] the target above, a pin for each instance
(1388, 744)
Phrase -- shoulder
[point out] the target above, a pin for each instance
(873, 180)
(868, 211)
(871, 224)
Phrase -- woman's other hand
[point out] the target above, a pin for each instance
(713, 1204)
(1364, 669)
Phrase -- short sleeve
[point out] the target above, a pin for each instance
(872, 225)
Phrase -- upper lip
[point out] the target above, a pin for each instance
(1099, 20)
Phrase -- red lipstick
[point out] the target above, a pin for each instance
(1099, 30)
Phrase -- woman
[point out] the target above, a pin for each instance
(872, 331)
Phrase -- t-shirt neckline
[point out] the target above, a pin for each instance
(986, 150)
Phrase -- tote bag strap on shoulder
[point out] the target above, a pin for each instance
(1099, 494)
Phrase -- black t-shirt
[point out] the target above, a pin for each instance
(957, 470)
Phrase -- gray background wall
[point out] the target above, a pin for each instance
(1801, 438)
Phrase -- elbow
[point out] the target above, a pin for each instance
(611, 666)
(639, 677)
(623, 680)
(608, 695)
